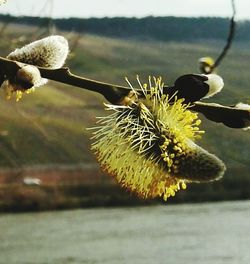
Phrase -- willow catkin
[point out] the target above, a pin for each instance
(50, 52)
(148, 145)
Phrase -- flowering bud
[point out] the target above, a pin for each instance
(26, 78)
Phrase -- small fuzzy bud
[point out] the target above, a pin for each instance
(194, 87)
(243, 106)
(206, 65)
(246, 120)
(27, 77)
(215, 83)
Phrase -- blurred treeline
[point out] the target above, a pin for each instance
(157, 28)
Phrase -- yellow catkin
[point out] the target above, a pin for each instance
(145, 144)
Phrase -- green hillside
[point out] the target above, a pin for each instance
(49, 126)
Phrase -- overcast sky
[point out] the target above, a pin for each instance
(128, 8)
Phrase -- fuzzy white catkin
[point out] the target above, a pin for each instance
(50, 52)
(3, 2)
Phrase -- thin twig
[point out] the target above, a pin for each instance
(229, 38)
(113, 93)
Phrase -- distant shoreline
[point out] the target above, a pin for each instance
(68, 188)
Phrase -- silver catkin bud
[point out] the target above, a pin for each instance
(50, 52)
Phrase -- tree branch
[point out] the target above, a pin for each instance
(113, 93)
(230, 116)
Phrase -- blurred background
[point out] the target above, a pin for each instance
(45, 157)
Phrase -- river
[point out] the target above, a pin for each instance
(216, 233)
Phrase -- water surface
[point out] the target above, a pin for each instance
(217, 233)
